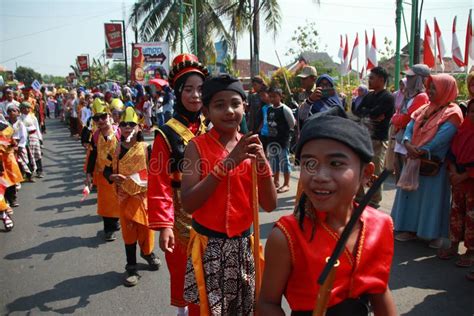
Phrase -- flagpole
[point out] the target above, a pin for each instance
(434, 50)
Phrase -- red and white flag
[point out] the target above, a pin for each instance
(362, 73)
(372, 56)
(469, 51)
(441, 51)
(367, 48)
(456, 49)
(345, 59)
(355, 52)
(428, 55)
(340, 54)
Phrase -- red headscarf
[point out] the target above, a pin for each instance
(463, 143)
(430, 117)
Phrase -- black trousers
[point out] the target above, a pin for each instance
(111, 224)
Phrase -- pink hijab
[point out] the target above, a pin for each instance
(430, 117)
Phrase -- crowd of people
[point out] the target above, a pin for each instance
(216, 158)
(21, 133)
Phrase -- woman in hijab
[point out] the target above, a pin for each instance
(325, 96)
(424, 212)
(362, 91)
(165, 212)
(414, 96)
(461, 175)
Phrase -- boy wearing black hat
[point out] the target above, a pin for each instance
(335, 156)
(217, 181)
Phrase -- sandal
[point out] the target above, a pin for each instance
(7, 222)
(447, 253)
(283, 189)
(465, 260)
(405, 236)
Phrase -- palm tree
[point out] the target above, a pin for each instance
(159, 20)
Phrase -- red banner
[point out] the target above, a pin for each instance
(83, 63)
(114, 41)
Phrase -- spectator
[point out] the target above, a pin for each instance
(254, 105)
(377, 107)
(324, 96)
(361, 92)
(308, 82)
(425, 212)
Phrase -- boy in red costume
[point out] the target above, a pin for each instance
(335, 155)
(164, 179)
(216, 190)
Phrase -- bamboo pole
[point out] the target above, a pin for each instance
(256, 231)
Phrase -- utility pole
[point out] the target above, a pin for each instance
(256, 37)
(195, 28)
(414, 23)
(397, 49)
(181, 8)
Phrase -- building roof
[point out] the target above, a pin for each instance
(243, 67)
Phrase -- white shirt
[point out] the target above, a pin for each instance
(32, 126)
(20, 134)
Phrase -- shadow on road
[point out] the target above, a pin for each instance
(412, 274)
(49, 248)
(61, 207)
(68, 222)
(81, 288)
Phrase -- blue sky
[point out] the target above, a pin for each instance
(47, 35)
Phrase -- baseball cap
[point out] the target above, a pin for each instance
(418, 69)
(308, 71)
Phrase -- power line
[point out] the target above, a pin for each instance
(55, 27)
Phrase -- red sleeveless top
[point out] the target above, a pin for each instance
(365, 273)
(229, 209)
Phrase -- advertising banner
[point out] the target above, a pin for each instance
(83, 64)
(114, 47)
(150, 60)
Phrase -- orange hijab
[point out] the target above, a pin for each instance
(431, 116)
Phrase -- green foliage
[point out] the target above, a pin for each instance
(388, 51)
(27, 75)
(229, 66)
(306, 38)
(56, 80)
(462, 87)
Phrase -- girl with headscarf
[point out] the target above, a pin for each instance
(424, 213)
(461, 174)
(165, 212)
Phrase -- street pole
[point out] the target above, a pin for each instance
(256, 37)
(414, 5)
(181, 23)
(195, 28)
(397, 49)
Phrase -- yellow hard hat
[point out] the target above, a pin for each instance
(98, 106)
(129, 115)
(116, 104)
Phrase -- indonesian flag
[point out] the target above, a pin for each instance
(428, 55)
(362, 73)
(456, 49)
(340, 54)
(439, 44)
(355, 51)
(469, 52)
(345, 59)
(367, 48)
(372, 56)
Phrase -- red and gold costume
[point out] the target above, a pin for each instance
(164, 185)
(164, 195)
(366, 271)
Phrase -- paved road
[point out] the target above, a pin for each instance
(55, 261)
